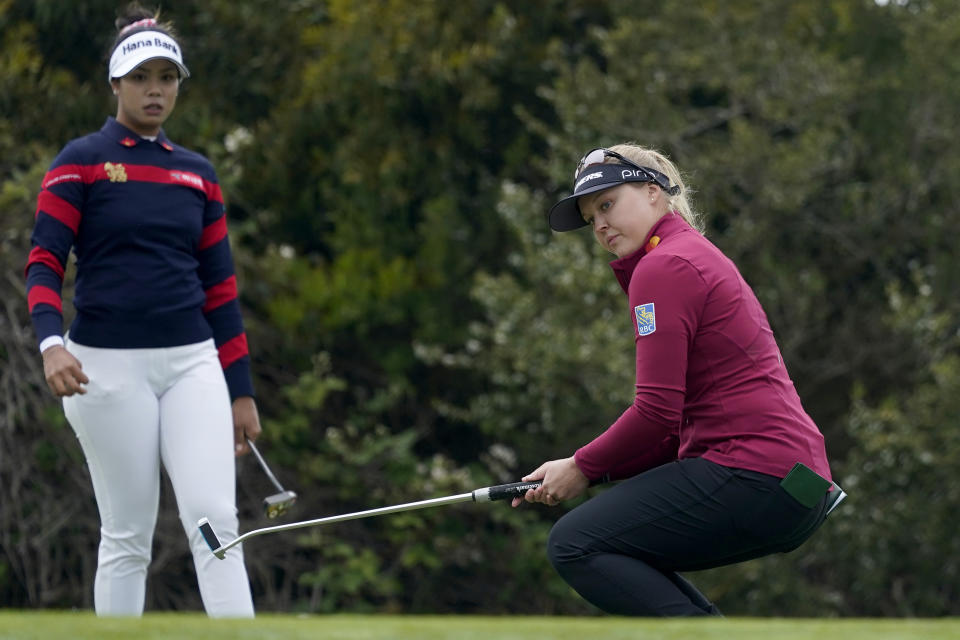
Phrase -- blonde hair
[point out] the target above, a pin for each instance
(646, 157)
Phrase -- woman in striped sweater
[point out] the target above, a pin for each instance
(154, 368)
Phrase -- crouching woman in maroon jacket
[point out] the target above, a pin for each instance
(719, 461)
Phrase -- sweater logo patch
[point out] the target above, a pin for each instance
(189, 179)
(115, 172)
(646, 318)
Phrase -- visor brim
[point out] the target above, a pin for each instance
(565, 215)
(132, 64)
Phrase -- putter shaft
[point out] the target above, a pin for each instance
(499, 492)
(263, 464)
(277, 504)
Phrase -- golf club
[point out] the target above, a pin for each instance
(277, 504)
(486, 494)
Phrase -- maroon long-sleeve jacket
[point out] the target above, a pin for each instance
(710, 378)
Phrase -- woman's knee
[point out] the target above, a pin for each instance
(126, 544)
(562, 547)
(221, 515)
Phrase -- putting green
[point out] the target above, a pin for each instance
(42, 625)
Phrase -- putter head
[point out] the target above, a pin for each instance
(206, 530)
(277, 504)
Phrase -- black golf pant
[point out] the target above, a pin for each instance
(622, 549)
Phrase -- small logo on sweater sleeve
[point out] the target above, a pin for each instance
(646, 318)
(187, 178)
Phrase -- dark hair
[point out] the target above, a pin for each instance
(133, 13)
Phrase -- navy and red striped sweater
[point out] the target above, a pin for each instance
(146, 222)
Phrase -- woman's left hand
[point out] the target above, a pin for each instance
(246, 424)
(562, 480)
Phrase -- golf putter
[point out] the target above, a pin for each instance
(277, 504)
(486, 494)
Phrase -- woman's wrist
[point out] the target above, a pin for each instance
(51, 341)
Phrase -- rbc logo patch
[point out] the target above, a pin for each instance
(646, 319)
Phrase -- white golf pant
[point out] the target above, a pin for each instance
(143, 407)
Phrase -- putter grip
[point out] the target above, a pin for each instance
(512, 490)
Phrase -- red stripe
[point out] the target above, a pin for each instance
(133, 173)
(45, 295)
(149, 173)
(232, 350)
(39, 255)
(57, 207)
(213, 233)
(221, 293)
(212, 189)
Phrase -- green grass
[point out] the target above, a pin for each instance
(60, 625)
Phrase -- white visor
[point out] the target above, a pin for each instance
(142, 46)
